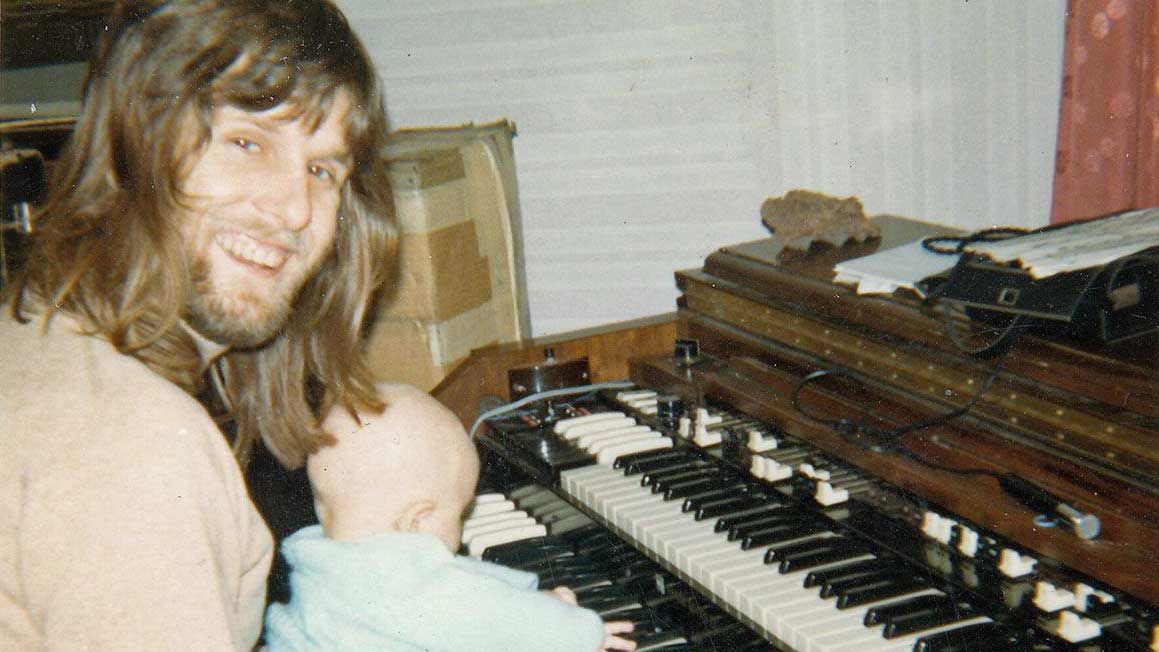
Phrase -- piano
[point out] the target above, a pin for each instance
(790, 466)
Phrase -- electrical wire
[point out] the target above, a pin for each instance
(955, 244)
(889, 439)
(552, 393)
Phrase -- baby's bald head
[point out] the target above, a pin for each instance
(411, 468)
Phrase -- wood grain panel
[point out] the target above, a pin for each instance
(608, 349)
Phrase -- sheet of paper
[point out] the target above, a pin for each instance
(1076, 246)
(900, 267)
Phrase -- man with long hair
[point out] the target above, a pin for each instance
(217, 227)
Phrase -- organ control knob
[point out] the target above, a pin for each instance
(687, 352)
(1084, 525)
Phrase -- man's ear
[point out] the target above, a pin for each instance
(416, 517)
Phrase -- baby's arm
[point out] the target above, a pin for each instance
(480, 606)
(612, 630)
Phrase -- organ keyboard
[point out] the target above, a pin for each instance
(815, 536)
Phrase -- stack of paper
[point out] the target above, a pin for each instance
(886, 271)
(1076, 246)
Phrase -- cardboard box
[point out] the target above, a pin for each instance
(460, 284)
(422, 353)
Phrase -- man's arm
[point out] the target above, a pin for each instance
(155, 547)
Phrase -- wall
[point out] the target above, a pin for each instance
(650, 131)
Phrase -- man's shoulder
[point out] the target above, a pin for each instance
(63, 389)
(61, 360)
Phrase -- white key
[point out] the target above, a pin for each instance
(641, 403)
(488, 519)
(492, 507)
(480, 543)
(603, 425)
(563, 425)
(470, 535)
(604, 444)
(609, 455)
(587, 440)
(635, 394)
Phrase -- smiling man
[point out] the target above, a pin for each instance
(217, 228)
(264, 199)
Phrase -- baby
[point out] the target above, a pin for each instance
(381, 573)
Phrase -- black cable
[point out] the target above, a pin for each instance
(1084, 525)
(1005, 341)
(889, 439)
(955, 244)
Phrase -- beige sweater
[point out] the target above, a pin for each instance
(124, 519)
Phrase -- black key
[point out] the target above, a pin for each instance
(572, 565)
(806, 560)
(734, 489)
(820, 577)
(778, 553)
(648, 475)
(765, 521)
(878, 615)
(527, 550)
(840, 585)
(609, 604)
(598, 592)
(780, 534)
(659, 481)
(753, 501)
(711, 493)
(682, 460)
(600, 541)
(687, 486)
(971, 638)
(766, 507)
(716, 508)
(886, 588)
(636, 614)
(951, 611)
(666, 637)
(574, 581)
(705, 493)
(633, 463)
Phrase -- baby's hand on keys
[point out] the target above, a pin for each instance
(614, 642)
(564, 594)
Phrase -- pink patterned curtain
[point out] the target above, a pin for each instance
(1108, 154)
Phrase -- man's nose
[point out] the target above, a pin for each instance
(286, 195)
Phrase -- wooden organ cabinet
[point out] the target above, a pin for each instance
(742, 494)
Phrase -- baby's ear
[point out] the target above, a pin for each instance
(416, 517)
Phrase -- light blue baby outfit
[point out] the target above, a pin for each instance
(407, 592)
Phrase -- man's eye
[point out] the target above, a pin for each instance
(322, 173)
(246, 144)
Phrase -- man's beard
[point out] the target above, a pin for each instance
(238, 319)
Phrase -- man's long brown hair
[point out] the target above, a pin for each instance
(108, 250)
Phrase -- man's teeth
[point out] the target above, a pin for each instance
(251, 251)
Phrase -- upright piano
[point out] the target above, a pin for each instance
(792, 466)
